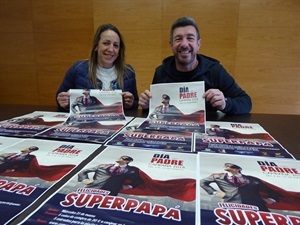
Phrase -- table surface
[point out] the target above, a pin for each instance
(283, 128)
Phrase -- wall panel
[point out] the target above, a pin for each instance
(129, 15)
(257, 41)
(271, 46)
(63, 32)
(268, 54)
(217, 13)
(19, 84)
(53, 16)
(144, 54)
(15, 16)
(270, 89)
(269, 13)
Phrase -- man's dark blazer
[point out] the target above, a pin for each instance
(130, 176)
(172, 113)
(112, 183)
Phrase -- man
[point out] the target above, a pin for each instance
(112, 177)
(85, 102)
(239, 188)
(186, 65)
(10, 162)
(166, 111)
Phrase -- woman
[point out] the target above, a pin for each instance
(105, 70)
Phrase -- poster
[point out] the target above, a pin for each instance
(235, 189)
(29, 168)
(8, 141)
(154, 188)
(95, 116)
(31, 124)
(90, 132)
(133, 137)
(95, 105)
(176, 107)
(238, 138)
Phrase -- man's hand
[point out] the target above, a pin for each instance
(220, 194)
(127, 99)
(144, 99)
(87, 181)
(125, 187)
(269, 200)
(216, 98)
(63, 99)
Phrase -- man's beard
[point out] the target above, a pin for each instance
(185, 61)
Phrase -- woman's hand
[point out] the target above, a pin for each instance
(63, 99)
(128, 99)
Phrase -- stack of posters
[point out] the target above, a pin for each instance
(238, 138)
(123, 186)
(180, 108)
(31, 124)
(95, 105)
(30, 167)
(92, 132)
(94, 117)
(133, 137)
(248, 190)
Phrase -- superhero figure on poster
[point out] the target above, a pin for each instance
(85, 102)
(121, 178)
(166, 111)
(25, 164)
(169, 112)
(111, 177)
(236, 187)
(35, 120)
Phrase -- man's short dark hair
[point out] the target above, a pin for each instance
(33, 148)
(233, 166)
(183, 22)
(127, 158)
(166, 97)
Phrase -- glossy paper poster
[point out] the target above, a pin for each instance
(177, 107)
(31, 167)
(95, 105)
(8, 141)
(31, 124)
(236, 189)
(133, 137)
(92, 132)
(238, 138)
(155, 187)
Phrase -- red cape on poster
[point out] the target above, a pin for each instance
(181, 189)
(288, 200)
(48, 173)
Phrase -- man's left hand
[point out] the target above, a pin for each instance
(216, 98)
